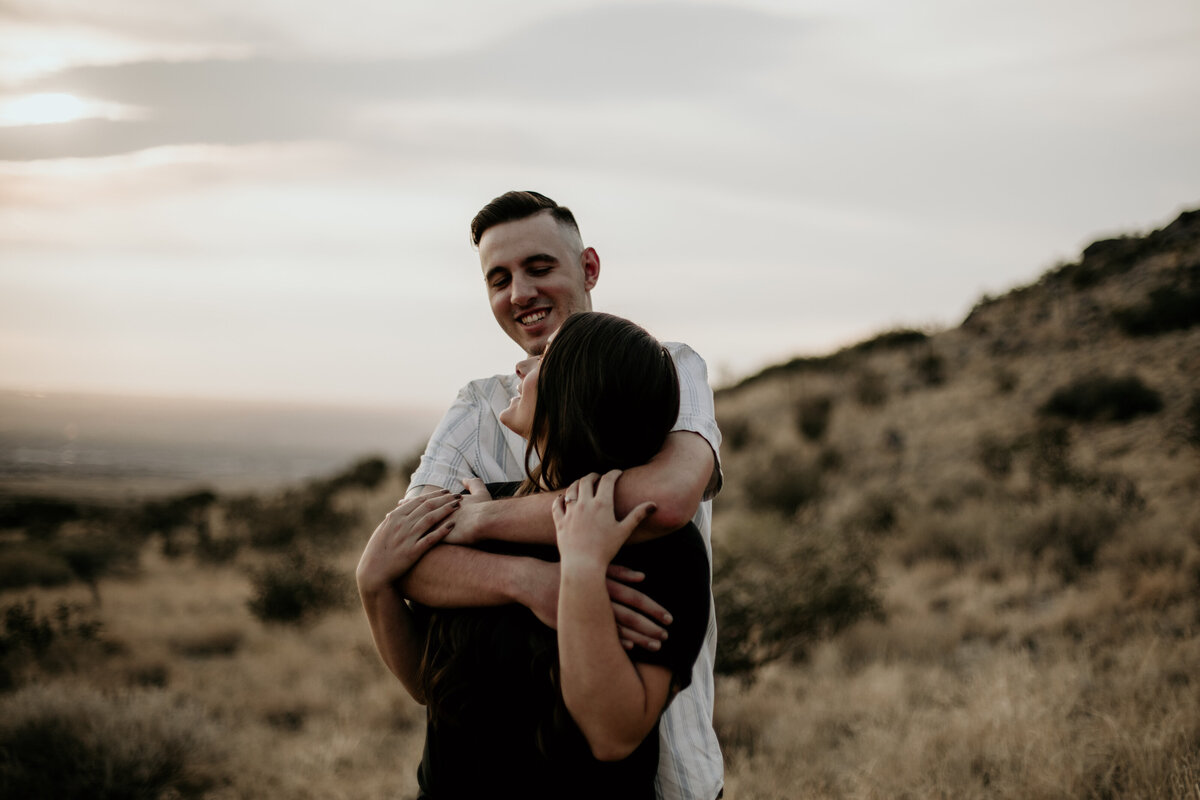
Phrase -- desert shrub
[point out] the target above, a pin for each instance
(306, 515)
(1050, 457)
(812, 416)
(32, 564)
(69, 741)
(1005, 380)
(870, 388)
(783, 480)
(1192, 420)
(367, 473)
(39, 517)
(736, 433)
(876, 512)
(1103, 398)
(995, 455)
(207, 643)
(1069, 533)
(164, 516)
(54, 642)
(959, 539)
(296, 588)
(1166, 308)
(94, 555)
(779, 589)
(930, 368)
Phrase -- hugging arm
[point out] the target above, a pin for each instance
(614, 701)
(406, 534)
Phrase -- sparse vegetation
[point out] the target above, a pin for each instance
(69, 741)
(783, 480)
(780, 587)
(812, 416)
(296, 588)
(1102, 398)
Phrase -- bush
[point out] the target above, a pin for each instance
(94, 555)
(930, 368)
(736, 433)
(296, 589)
(812, 416)
(304, 515)
(33, 564)
(994, 455)
(367, 473)
(1167, 308)
(73, 742)
(1070, 533)
(1103, 398)
(777, 592)
(870, 388)
(49, 643)
(783, 481)
(39, 517)
(1192, 420)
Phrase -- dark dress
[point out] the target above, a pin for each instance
(503, 730)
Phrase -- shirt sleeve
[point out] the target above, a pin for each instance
(696, 408)
(447, 458)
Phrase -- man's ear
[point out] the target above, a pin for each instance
(590, 261)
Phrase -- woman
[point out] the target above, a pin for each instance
(516, 709)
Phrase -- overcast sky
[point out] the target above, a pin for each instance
(267, 199)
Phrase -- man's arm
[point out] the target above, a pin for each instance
(675, 480)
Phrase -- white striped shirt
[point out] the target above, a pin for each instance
(471, 441)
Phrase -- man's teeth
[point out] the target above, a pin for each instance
(536, 316)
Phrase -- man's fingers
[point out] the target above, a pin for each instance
(635, 610)
(630, 637)
(624, 574)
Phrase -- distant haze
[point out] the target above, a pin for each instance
(103, 437)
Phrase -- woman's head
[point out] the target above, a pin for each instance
(607, 395)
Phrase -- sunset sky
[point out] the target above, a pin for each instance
(270, 200)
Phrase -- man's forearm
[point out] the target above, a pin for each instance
(674, 480)
(449, 576)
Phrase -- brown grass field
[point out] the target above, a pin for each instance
(958, 564)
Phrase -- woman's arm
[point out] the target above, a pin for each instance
(405, 534)
(614, 701)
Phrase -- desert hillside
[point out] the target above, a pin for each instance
(960, 563)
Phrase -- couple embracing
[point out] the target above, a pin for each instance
(544, 587)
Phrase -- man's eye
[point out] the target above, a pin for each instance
(499, 283)
(538, 272)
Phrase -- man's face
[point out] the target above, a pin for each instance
(538, 274)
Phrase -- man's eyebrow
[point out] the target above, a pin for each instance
(537, 258)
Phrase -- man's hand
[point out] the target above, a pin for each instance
(640, 620)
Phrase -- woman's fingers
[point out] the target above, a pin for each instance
(637, 516)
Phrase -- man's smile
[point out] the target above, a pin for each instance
(534, 316)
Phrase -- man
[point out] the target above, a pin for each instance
(538, 273)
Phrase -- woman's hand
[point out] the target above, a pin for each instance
(406, 533)
(464, 530)
(585, 522)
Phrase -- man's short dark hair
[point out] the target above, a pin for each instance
(512, 206)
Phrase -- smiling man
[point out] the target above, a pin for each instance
(538, 272)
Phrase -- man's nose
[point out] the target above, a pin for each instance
(523, 291)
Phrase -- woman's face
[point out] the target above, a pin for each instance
(518, 417)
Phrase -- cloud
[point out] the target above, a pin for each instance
(663, 53)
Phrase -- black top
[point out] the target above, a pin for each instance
(503, 730)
